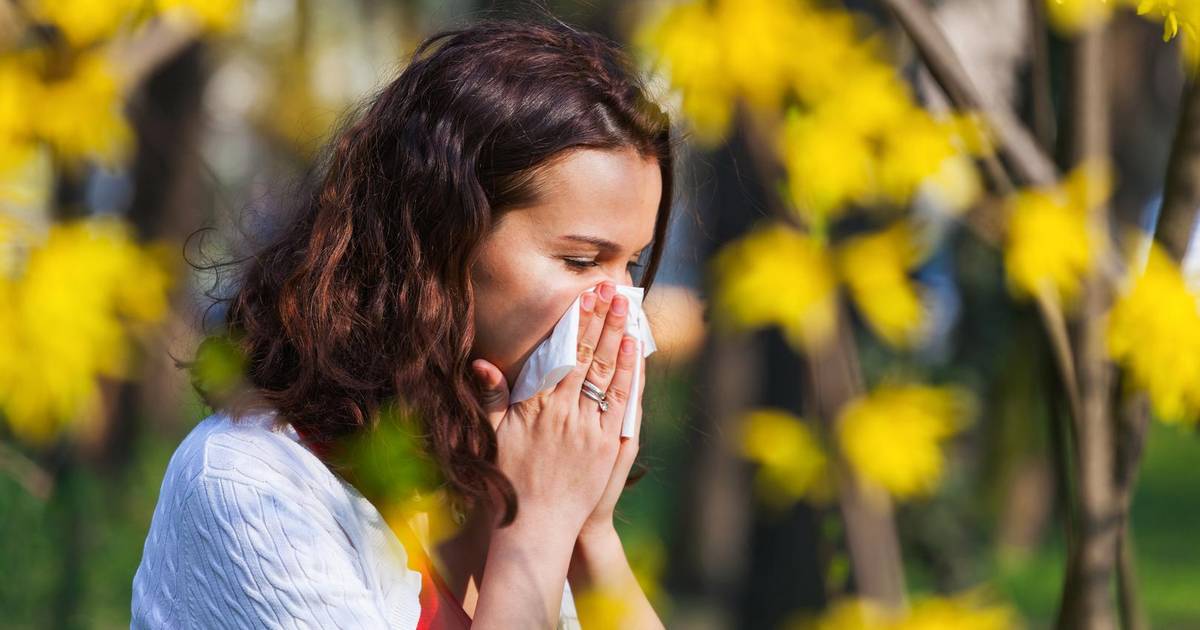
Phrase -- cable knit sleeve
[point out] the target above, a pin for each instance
(252, 530)
(254, 557)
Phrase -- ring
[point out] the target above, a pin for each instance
(591, 391)
(595, 389)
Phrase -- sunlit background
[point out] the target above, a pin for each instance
(928, 330)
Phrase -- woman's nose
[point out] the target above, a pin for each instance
(622, 277)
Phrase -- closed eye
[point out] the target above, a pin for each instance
(577, 264)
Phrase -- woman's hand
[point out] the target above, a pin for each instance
(600, 522)
(568, 464)
(562, 454)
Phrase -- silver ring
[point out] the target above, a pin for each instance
(595, 389)
(590, 392)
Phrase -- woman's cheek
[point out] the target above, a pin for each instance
(559, 295)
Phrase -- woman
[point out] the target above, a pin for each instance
(510, 169)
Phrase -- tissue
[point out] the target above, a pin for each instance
(555, 357)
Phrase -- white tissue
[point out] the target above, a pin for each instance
(556, 356)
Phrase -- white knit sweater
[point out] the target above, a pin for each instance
(252, 530)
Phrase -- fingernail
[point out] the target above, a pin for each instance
(588, 301)
(618, 306)
(606, 291)
(626, 343)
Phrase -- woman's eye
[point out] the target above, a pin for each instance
(579, 264)
(575, 263)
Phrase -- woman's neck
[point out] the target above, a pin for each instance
(463, 556)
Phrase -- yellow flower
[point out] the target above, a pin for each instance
(875, 268)
(868, 142)
(792, 465)
(817, 72)
(776, 275)
(853, 140)
(69, 317)
(759, 40)
(1176, 15)
(846, 613)
(18, 89)
(914, 150)
(80, 114)
(962, 612)
(428, 515)
(602, 608)
(86, 21)
(973, 132)
(1051, 243)
(875, 102)
(828, 164)
(687, 39)
(955, 186)
(212, 15)
(967, 611)
(893, 437)
(1072, 16)
(1154, 333)
(718, 52)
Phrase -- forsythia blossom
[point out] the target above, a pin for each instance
(1154, 333)
(212, 15)
(85, 22)
(776, 275)
(792, 464)
(893, 437)
(69, 317)
(876, 270)
(855, 135)
(1051, 243)
(80, 114)
(1178, 17)
(1072, 16)
(964, 611)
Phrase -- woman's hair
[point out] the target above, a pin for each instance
(364, 296)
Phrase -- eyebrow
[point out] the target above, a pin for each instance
(604, 245)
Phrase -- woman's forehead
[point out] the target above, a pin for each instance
(600, 195)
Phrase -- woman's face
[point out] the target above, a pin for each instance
(538, 259)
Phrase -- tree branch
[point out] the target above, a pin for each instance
(1021, 148)
(1181, 193)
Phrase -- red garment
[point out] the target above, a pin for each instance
(440, 609)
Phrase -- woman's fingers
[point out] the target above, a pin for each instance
(587, 310)
(619, 389)
(493, 390)
(573, 381)
(604, 361)
(637, 422)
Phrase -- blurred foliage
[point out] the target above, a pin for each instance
(969, 611)
(776, 276)
(71, 311)
(877, 269)
(894, 435)
(1052, 243)
(871, 180)
(867, 175)
(792, 462)
(1154, 332)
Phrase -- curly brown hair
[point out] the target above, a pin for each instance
(364, 295)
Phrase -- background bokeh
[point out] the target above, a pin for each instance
(929, 346)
